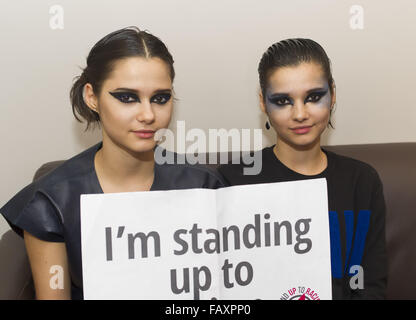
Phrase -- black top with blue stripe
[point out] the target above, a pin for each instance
(356, 217)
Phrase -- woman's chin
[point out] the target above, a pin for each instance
(304, 143)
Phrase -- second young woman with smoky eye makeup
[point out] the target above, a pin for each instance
(298, 96)
(127, 89)
(283, 99)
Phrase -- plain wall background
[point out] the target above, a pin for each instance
(216, 46)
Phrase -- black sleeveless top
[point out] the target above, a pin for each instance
(49, 208)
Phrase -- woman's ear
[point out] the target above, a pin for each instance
(333, 95)
(90, 98)
(261, 101)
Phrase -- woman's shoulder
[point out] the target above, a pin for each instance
(40, 201)
(77, 166)
(351, 166)
(250, 167)
(177, 171)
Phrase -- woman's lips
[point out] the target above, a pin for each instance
(144, 134)
(302, 129)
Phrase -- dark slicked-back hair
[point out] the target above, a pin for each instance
(120, 44)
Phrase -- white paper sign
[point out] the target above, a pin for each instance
(264, 241)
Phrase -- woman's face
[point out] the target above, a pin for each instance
(298, 103)
(134, 102)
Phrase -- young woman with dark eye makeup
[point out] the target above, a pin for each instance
(126, 89)
(298, 95)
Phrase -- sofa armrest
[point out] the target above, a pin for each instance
(15, 275)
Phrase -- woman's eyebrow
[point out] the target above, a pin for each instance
(320, 89)
(126, 89)
(278, 95)
(284, 94)
(167, 90)
(163, 91)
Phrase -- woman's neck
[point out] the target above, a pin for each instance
(119, 170)
(310, 160)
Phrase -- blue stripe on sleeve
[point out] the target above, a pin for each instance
(335, 238)
(349, 224)
(363, 224)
